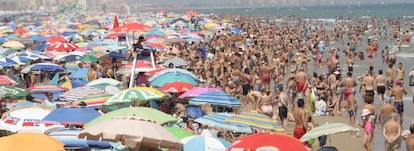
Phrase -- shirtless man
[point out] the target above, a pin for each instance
(301, 81)
(392, 132)
(409, 141)
(368, 83)
(399, 72)
(300, 120)
(411, 80)
(283, 106)
(265, 77)
(380, 84)
(398, 91)
(349, 84)
(385, 112)
(389, 75)
(292, 91)
(265, 103)
(92, 74)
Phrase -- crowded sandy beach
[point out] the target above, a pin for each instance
(201, 82)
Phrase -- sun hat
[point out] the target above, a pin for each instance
(365, 112)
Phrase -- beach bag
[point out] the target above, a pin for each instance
(411, 82)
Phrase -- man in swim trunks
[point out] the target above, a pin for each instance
(266, 75)
(349, 84)
(301, 81)
(385, 112)
(300, 120)
(392, 133)
(398, 92)
(380, 82)
(369, 81)
(352, 109)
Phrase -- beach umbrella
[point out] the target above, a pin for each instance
(89, 59)
(56, 39)
(73, 115)
(21, 31)
(172, 77)
(13, 44)
(42, 67)
(5, 80)
(268, 141)
(69, 57)
(194, 112)
(107, 81)
(204, 143)
(78, 83)
(149, 113)
(26, 119)
(215, 98)
(39, 38)
(328, 129)
(133, 27)
(135, 131)
(10, 92)
(198, 91)
(93, 101)
(176, 62)
(174, 70)
(135, 94)
(80, 92)
(155, 32)
(69, 137)
(153, 72)
(79, 74)
(176, 87)
(46, 87)
(40, 47)
(141, 66)
(256, 120)
(30, 141)
(218, 120)
(178, 132)
(59, 46)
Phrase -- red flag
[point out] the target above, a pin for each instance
(116, 23)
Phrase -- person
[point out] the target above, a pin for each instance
(349, 84)
(30, 98)
(386, 109)
(409, 141)
(92, 74)
(392, 132)
(368, 126)
(264, 103)
(301, 81)
(352, 109)
(411, 81)
(300, 120)
(380, 82)
(49, 101)
(398, 91)
(283, 110)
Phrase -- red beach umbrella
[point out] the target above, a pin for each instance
(5, 80)
(177, 87)
(268, 141)
(133, 27)
(60, 46)
(56, 39)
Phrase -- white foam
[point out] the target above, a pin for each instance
(405, 55)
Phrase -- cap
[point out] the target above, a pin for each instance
(399, 82)
(365, 112)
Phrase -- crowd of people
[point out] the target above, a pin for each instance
(277, 69)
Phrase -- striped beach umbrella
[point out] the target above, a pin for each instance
(204, 143)
(60, 46)
(5, 80)
(328, 129)
(177, 87)
(7, 92)
(216, 98)
(46, 87)
(80, 92)
(218, 120)
(135, 94)
(160, 80)
(176, 62)
(256, 120)
(93, 101)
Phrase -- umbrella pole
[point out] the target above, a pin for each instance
(134, 64)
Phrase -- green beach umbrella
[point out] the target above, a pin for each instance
(9, 92)
(178, 132)
(135, 94)
(150, 113)
(89, 59)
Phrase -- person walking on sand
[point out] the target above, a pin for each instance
(392, 132)
(352, 109)
(301, 82)
(411, 80)
(398, 91)
(300, 120)
(368, 126)
(349, 84)
(409, 141)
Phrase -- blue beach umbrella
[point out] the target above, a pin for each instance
(172, 77)
(218, 120)
(195, 112)
(79, 74)
(216, 98)
(204, 143)
(72, 115)
(42, 67)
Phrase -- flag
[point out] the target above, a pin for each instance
(116, 23)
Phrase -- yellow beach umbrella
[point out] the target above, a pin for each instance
(13, 44)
